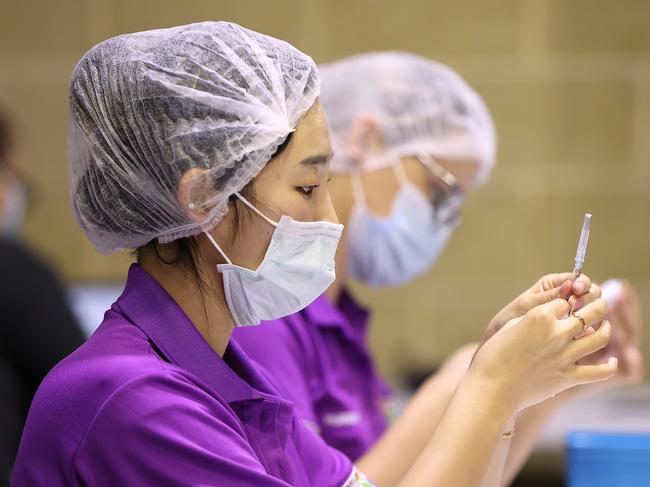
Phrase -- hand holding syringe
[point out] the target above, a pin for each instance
(574, 287)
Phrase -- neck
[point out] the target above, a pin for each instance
(201, 298)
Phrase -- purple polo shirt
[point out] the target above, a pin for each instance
(321, 362)
(146, 401)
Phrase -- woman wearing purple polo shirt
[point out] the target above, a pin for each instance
(170, 140)
(204, 148)
(410, 139)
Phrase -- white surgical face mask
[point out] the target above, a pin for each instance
(13, 215)
(297, 268)
(391, 251)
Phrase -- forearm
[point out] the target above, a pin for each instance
(529, 426)
(396, 451)
(461, 448)
(495, 474)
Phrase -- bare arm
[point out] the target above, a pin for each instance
(472, 423)
(495, 473)
(500, 383)
(625, 316)
(528, 428)
(526, 361)
(391, 457)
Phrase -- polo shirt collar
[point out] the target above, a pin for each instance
(149, 307)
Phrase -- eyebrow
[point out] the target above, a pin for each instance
(317, 160)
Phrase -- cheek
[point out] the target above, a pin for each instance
(252, 242)
(418, 175)
(292, 203)
(309, 209)
(380, 188)
(466, 172)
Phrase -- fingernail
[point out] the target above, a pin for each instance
(579, 287)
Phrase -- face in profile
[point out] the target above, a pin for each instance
(293, 183)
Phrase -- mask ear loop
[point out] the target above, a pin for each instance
(217, 246)
(357, 189)
(400, 173)
(247, 203)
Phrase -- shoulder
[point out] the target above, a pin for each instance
(179, 432)
(162, 403)
(115, 391)
(115, 366)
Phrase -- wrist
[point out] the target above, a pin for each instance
(492, 394)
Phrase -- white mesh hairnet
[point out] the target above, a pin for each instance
(147, 107)
(420, 106)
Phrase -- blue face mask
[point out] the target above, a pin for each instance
(393, 250)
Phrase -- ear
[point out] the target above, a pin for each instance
(194, 189)
(364, 138)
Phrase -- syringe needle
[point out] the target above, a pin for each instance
(582, 251)
(582, 246)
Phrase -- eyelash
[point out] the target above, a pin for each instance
(308, 190)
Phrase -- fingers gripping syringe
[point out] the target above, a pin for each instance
(582, 246)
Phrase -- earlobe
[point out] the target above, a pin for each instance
(194, 189)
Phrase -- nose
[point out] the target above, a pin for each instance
(328, 213)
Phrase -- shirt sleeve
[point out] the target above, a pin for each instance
(163, 430)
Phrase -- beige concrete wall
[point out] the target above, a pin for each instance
(568, 82)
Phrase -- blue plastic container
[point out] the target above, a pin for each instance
(598, 459)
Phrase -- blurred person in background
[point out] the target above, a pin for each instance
(411, 141)
(37, 328)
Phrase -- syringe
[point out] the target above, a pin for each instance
(581, 252)
(582, 246)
